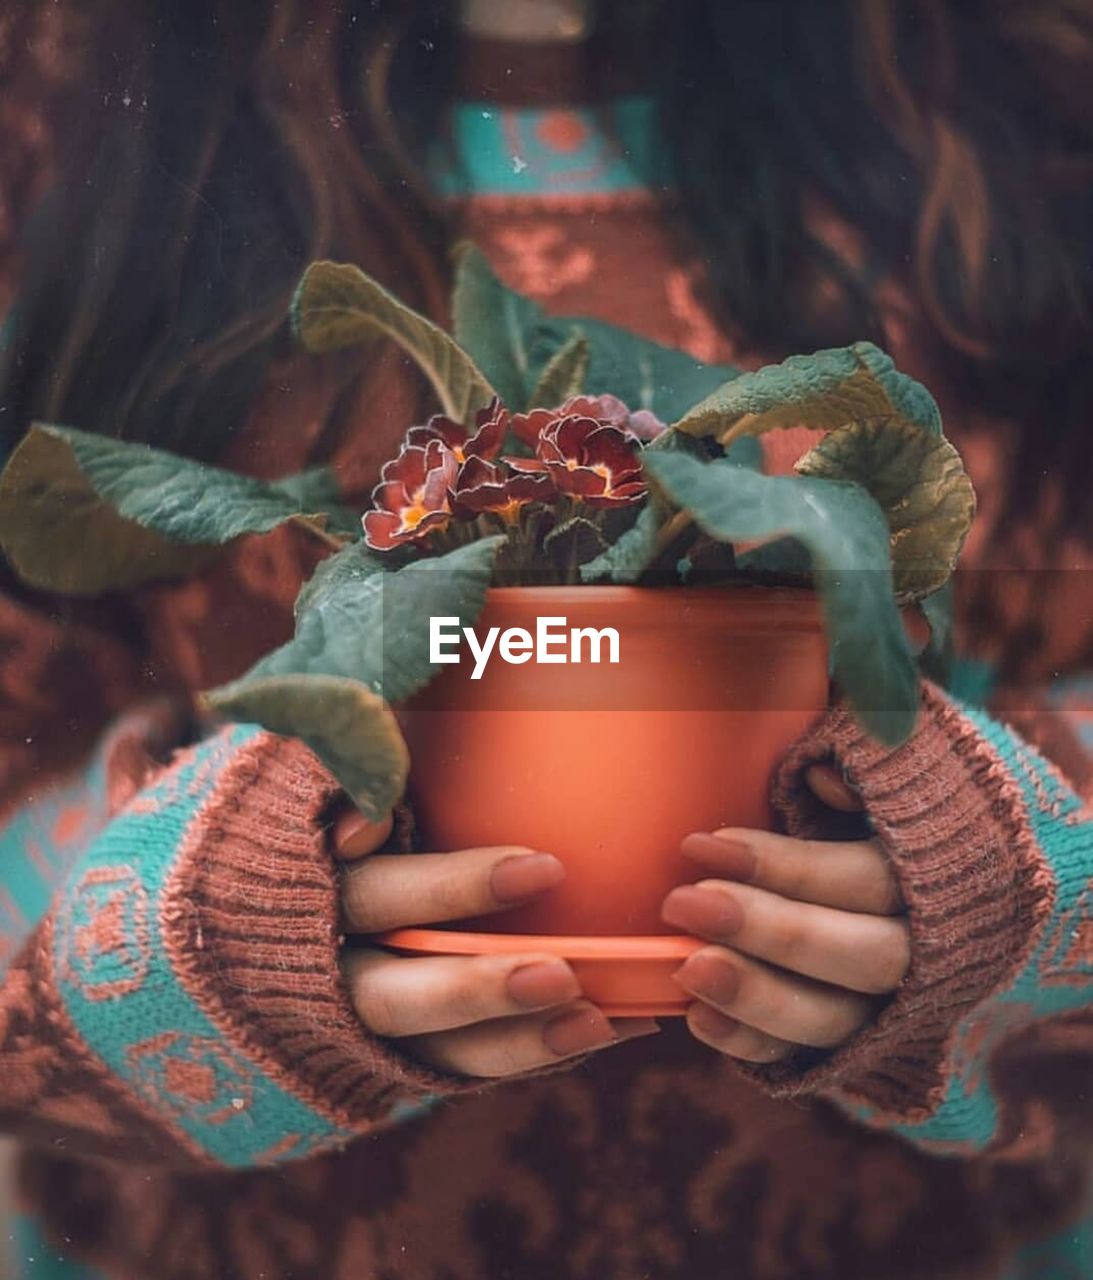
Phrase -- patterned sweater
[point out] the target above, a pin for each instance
(195, 1098)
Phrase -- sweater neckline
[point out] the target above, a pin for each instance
(491, 148)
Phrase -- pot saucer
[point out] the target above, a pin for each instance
(626, 976)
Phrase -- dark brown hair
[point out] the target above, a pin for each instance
(211, 149)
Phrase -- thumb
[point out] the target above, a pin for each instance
(355, 835)
(827, 784)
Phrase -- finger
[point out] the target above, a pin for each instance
(355, 835)
(783, 1005)
(397, 996)
(853, 875)
(393, 891)
(733, 1038)
(865, 953)
(512, 1046)
(827, 784)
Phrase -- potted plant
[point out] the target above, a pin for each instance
(594, 598)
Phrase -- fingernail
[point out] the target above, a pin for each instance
(731, 856)
(707, 912)
(577, 1031)
(543, 983)
(710, 977)
(523, 875)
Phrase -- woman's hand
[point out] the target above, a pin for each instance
(478, 1016)
(807, 937)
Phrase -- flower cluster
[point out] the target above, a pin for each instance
(587, 451)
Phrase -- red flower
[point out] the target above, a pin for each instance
(607, 410)
(485, 486)
(490, 426)
(413, 496)
(587, 458)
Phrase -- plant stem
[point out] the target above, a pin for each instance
(332, 540)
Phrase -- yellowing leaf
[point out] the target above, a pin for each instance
(826, 390)
(337, 305)
(918, 481)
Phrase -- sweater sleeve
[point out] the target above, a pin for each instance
(984, 1046)
(181, 999)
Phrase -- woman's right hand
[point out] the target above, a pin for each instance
(489, 1016)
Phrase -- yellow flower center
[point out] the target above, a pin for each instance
(413, 516)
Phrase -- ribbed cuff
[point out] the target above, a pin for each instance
(252, 928)
(977, 888)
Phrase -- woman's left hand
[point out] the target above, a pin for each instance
(807, 937)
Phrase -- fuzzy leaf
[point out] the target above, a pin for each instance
(785, 557)
(630, 555)
(374, 627)
(643, 374)
(335, 574)
(82, 514)
(317, 490)
(826, 390)
(574, 541)
(493, 324)
(351, 730)
(337, 305)
(847, 540)
(513, 340)
(918, 482)
(564, 376)
(936, 660)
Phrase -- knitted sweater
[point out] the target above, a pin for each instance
(193, 1093)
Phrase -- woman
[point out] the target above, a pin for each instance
(883, 1069)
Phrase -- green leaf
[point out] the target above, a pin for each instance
(337, 305)
(374, 627)
(493, 324)
(82, 514)
(317, 490)
(572, 542)
(919, 483)
(643, 374)
(785, 557)
(909, 398)
(936, 660)
(340, 572)
(631, 554)
(513, 340)
(847, 540)
(746, 452)
(826, 390)
(564, 376)
(351, 730)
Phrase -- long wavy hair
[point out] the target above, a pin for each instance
(209, 150)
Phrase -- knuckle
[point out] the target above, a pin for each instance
(792, 936)
(374, 1005)
(358, 894)
(480, 993)
(378, 1013)
(501, 1059)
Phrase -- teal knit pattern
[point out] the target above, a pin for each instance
(117, 982)
(40, 843)
(1057, 977)
(497, 150)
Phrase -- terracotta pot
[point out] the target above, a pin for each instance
(609, 766)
